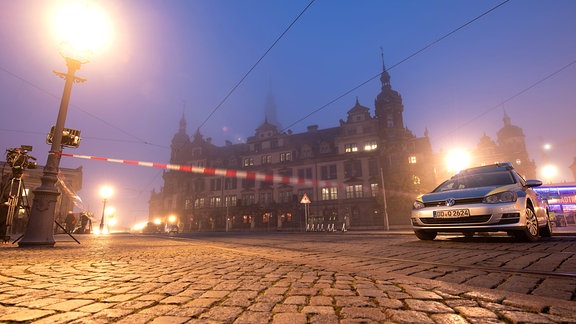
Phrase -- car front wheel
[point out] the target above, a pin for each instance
(425, 235)
(530, 232)
(546, 231)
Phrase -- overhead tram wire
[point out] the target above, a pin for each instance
(254, 66)
(519, 93)
(398, 63)
(138, 139)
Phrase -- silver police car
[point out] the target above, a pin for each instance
(489, 198)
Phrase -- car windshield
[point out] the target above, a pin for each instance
(476, 180)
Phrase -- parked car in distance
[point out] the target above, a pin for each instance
(489, 198)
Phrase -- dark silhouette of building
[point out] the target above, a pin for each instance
(510, 147)
(365, 172)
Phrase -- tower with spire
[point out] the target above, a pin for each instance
(389, 107)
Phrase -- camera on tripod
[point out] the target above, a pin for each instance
(19, 159)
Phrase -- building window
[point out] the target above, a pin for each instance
(324, 147)
(354, 191)
(266, 218)
(199, 203)
(370, 146)
(285, 156)
(389, 121)
(372, 167)
(350, 148)
(305, 173)
(265, 198)
(416, 180)
(412, 159)
(248, 183)
(266, 159)
(230, 200)
(306, 152)
(215, 184)
(248, 162)
(285, 196)
(216, 202)
(248, 199)
(328, 172)
(374, 189)
(188, 204)
(329, 193)
(353, 169)
(230, 183)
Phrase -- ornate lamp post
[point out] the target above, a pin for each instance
(41, 223)
(82, 28)
(105, 193)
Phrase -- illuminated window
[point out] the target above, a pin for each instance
(329, 193)
(416, 180)
(370, 146)
(350, 148)
(215, 202)
(285, 156)
(199, 203)
(354, 191)
(248, 162)
(374, 189)
(412, 159)
(266, 218)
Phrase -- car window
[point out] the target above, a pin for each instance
(476, 180)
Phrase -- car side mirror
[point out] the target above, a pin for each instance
(533, 183)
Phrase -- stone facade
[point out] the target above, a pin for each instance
(364, 173)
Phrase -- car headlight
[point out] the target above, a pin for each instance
(502, 197)
(417, 205)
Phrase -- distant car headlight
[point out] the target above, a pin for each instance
(417, 205)
(502, 197)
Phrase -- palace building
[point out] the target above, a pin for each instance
(362, 173)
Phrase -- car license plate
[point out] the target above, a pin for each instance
(452, 213)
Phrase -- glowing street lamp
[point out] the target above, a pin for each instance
(457, 160)
(111, 217)
(549, 172)
(105, 193)
(39, 231)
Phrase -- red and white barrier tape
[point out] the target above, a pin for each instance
(209, 171)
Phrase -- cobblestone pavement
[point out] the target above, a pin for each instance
(139, 279)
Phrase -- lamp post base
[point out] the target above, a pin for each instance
(40, 229)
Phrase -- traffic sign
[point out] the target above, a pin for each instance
(305, 199)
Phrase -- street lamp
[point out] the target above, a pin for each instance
(105, 193)
(40, 225)
(40, 229)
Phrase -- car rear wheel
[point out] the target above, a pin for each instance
(425, 235)
(530, 232)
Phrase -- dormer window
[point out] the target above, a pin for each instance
(348, 148)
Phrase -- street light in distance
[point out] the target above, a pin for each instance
(105, 192)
